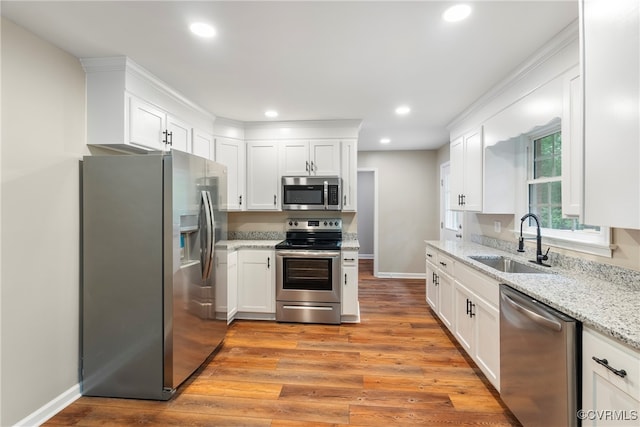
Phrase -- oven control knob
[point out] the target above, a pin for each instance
(295, 223)
(325, 223)
(290, 223)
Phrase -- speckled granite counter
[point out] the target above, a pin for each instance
(611, 307)
(350, 244)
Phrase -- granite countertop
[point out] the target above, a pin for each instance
(610, 307)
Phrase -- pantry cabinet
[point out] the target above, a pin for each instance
(232, 154)
(349, 294)
(314, 158)
(466, 172)
(256, 283)
(610, 35)
(610, 381)
(263, 177)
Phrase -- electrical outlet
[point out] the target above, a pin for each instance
(497, 226)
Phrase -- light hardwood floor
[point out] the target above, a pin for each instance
(397, 367)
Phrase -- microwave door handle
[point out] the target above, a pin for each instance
(326, 195)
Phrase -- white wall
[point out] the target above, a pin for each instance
(43, 137)
(407, 208)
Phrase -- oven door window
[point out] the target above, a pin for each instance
(307, 274)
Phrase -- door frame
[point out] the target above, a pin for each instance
(374, 171)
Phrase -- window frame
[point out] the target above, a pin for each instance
(588, 241)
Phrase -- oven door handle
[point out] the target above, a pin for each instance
(307, 253)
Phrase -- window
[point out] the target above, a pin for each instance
(452, 219)
(544, 189)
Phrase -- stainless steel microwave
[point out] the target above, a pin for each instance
(311, 193)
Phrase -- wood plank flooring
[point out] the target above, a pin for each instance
(397, 367)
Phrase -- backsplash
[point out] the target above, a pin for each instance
(273, 235)
(582, 266)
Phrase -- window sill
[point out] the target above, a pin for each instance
(599, 249)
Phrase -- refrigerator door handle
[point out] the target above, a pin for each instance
(206, 234)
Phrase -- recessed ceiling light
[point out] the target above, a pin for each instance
(202, 29)
(402, 110)
(271, 113)
(385, 141)
(457, 13)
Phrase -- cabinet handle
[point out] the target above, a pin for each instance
(274, 200)
(471, 307)
(345, 200)
(307, 166)
(437, 280)
(268, 262)
(170, 137)
(464, 202)
(604, 362)
(468, 302)
(444, 264)
(241, 200)
(313, 167)
(349, 259)
(164, 136)
(345, 279)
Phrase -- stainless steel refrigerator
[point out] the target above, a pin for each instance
(150, 224)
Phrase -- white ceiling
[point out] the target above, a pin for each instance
(314, 60)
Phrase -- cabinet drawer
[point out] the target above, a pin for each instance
(349, 258)
(446, 264)
(431, 255)
(479, 284)
(618, 357)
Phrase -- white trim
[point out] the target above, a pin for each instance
(600, 249)
(392, 275)
(366, 256)
(44, 413)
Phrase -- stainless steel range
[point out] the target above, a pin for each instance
(308, 271)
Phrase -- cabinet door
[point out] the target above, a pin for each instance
(232, 285)
(611, 61)
(446, 307)
(431, 283)
(263, 180)
(572, 144)
(349, 174)
(324, 158)
(179, 134)
(232, 154)
(202, 144)
(464, 324)
(294, 158)
(473, 171)
(456, 179)
(256, 290)
(486, 351)
(349, 294)
(147, 124)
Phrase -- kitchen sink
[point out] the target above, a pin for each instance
(507, 265)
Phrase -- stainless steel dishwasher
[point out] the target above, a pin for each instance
(539, 361)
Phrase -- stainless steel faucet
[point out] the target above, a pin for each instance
(539, 256)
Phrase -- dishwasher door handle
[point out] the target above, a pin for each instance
(537, 318)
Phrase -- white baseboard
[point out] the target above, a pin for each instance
(47, 411)
(365, 256)
(388, 275)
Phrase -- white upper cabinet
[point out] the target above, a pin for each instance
(466, 172)
(611, 66)
(572, 144)
(232, 154)
(263, 179)
(179, 134)
(203, 144)
(349, 174)
(315, 158)
(130, 110)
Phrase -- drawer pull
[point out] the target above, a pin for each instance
(604, 362)
(430, 256)
(444, 264)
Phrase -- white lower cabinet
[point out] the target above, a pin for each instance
(232, 285)
(610, 382)
(256, 283)
(349, 282)
(467, 303)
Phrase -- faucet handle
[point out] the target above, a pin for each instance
(546, 255)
